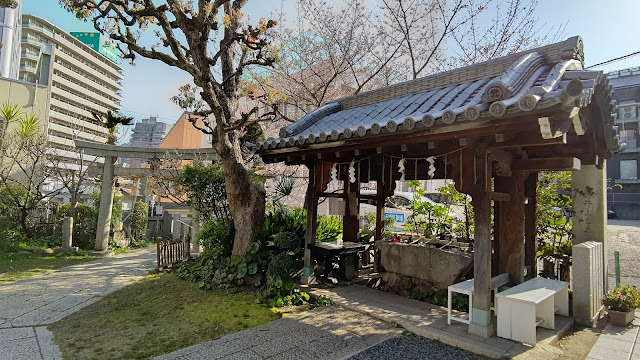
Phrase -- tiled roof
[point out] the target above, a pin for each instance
(530, 81)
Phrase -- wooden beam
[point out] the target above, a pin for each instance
(547, 164)
(501, 156)
(553, 127)
(500, 196)
(528, 141)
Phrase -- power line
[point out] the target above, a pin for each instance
(614, 60)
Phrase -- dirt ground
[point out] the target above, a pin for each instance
(576, 344)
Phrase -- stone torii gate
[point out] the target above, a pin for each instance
(111, 153)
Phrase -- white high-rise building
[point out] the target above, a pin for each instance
(83, 78)
(10, 29)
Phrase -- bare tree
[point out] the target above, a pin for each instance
(26, 172)
(353, 48)
(209, 40)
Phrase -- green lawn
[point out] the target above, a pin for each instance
(155, 316)
(15, 266)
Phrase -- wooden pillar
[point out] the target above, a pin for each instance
(384, 189)
(531, 225)
(379, 233)
(481, 323)
(351, 220)
(319, 177)
(496, 237)
(509, 251)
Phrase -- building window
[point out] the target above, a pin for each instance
(629, 169)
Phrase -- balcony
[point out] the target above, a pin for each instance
(30, 56)
(36, 27)
(28, 68)
(32, 41)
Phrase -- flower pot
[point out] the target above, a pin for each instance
(619, 318)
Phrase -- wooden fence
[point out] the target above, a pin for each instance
(173, 251)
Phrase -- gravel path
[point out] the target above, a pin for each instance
(409, 347)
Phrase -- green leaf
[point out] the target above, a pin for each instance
(253, 248)
(242, 271)
(236, 259)
(252, 268)
(201, 284)
(288, 284)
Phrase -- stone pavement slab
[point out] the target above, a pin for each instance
(618, 342)
(322, 333)
(430, 321)
(26, 305)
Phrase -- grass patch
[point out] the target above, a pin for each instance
(14, 266)
(155, 316)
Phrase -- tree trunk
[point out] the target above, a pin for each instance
(246, 198)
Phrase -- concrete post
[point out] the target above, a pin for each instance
(177, 226)
(195, 229)
(167, 223)
(106, 206)
(67, 237)
(589, 187)
(587, 282)
(67, 232)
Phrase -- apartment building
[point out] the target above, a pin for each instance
(623, 196)
(81, 79)
(149, 133)
(10, 30)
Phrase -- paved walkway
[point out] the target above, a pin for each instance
(430, 321)
(618, 342)
(28, 305)
(322, 333)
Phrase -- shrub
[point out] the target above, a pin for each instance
(622, 298)
(288, 240)
(281, 265)
(84, 224)
(329, 228)
(282, 219)
(217, 236)
(138, 222)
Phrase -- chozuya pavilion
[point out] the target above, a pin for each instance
(490, 127)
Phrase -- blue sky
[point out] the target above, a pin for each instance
(610, 29)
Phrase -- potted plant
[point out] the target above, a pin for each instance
(621, 304)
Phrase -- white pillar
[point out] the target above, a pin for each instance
(106, 204)
(589, 187)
